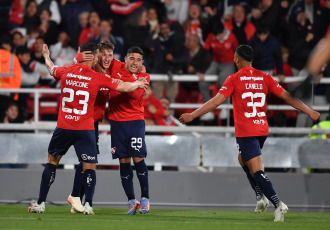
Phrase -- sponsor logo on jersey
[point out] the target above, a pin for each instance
(80, 77)
(85, 157)
(70, 117)
(244, 78)
(223, 88)
(113, 150)
(119, 75)
(104, 89)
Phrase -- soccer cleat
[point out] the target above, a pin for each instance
(133, 205)
(145, 205)
(88, 210)
(262, 205)
(280, 211)
(76, 203)
(37, 208)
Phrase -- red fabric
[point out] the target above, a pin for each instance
(100, 103)
(16, 13)
(249, 28)
(194, 28)
(33, 65)
(126, 106)
(86, 35)
(155, 102)
(249, 88)
(79, 87)
(125, 10)
(79, 57)
(222, 52)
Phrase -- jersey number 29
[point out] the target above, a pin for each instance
(72, 93)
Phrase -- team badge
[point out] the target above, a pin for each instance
(113, 150)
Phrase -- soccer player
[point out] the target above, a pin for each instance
(128, 129)
(248, 88)
(79, 87)
(105, 58)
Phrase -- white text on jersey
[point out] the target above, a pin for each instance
(80, 77)
(253, 86)
(244, 78)
(77, 83)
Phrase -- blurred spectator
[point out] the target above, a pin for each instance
(170, 57)
(222, 44)
(153, 20)
(53, 7)
(104, 34)
(5, 43)
(31, 70)
(136, 29)
(266, 52)
(313, 13)
(198, 61)
(177, 10)
(31, 18)
(11, 114)
(152, 108)
(61, 52)
(18, 39)
(269, 13)
(10, 77)
(119, 12)
(167, 119)
(48, 28)
(70, 11)
(92, 30)
(83, 23)
(16, 13)
(240, 26)
(195, 24)
(37, 50)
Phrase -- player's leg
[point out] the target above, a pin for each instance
(58, 146)
(85, 146)
(126, 175)
(75, 198)
(253, 184)
(138, 151)
(142, 174)
(47, 179)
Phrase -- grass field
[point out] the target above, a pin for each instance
(17, 217)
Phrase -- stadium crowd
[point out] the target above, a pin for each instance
(178, 37)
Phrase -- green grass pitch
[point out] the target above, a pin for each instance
(59, 217)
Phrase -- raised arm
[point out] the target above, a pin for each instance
(319, 56)
(209, 106)
(45, 52)
(296, 103)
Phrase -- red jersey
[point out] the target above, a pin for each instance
(222, 51)
(249, 88)
(155, 102)
(100, 102)
(79, 87)
(126, 106)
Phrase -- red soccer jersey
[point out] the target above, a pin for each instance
(222, 51)
(249, 88)
(126, 106)
(79, 87)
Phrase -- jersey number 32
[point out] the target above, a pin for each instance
(254, 105)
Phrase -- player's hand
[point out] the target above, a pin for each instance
(142, 69)
(142, 83)
(314, 115)
(151, 108)
(45, 50)
(84, 56)
(281, 77)
(185, 118)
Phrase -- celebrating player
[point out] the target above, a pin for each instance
(128, 129)
(79, 87)
(248, 88)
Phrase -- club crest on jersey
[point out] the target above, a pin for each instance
(135, 78)
(113, 150)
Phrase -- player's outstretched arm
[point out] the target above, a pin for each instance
(319, 56)
(209, 106)
(46, 53)
(127, 87)
(296, 103)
